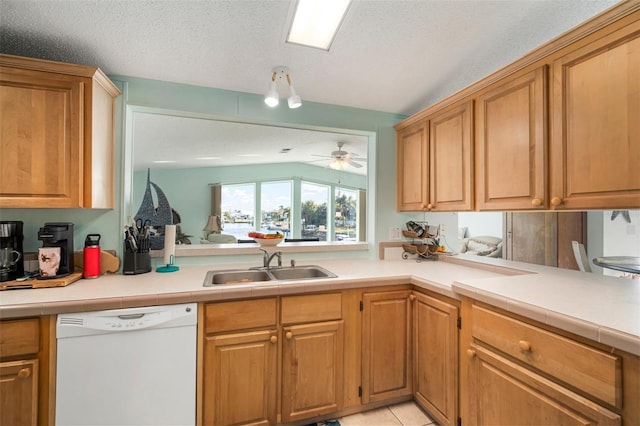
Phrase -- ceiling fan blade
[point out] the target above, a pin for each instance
(354, 164)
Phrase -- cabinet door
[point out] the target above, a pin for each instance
(386, 336)
(19, 393)
(40, 139)
(435, 357)
(239, 386)
(543, 238)
(595, 145)
(511, 144)
(312, 370)
(505, 393)
(412, 168)
(450, 168)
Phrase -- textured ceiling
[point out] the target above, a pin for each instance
(395, 56)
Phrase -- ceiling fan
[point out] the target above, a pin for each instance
(341, 159)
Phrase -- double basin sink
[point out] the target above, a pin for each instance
(247, 276)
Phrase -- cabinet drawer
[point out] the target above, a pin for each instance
(587, 369)
(19, 337)
(311, 308)
(240, 315)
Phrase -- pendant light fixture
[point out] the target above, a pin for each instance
(281, 73)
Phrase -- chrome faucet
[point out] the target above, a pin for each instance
(266, 259)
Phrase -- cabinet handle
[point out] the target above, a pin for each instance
(24, 373)
(412, 297)
(471, 353)
(289, 335)
(556, 201)
(273, 339)
(524, 346)
(536, 202)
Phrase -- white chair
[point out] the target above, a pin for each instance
(581, 256)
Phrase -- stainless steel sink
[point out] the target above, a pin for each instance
(248, 276)
(301, 273)
(235, 277)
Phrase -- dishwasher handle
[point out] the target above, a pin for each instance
(130, 316)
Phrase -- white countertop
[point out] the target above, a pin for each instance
(604, 309)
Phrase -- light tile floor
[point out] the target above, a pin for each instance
(404, 414)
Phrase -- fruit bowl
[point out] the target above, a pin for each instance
(268, 242)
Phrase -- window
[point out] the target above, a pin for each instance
(346, 215)
(275, 210)
(315, 199)
(238, 209)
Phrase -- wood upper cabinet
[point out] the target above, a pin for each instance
(595, 132)
(435, 357)
(434, 162)
(57, 135)
(413, 168)
(386, 342)
(510, 143)
(450, 166)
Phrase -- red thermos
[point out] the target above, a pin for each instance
(91, 268)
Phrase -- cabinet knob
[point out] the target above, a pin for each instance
(430, 206)
(24, 373)
(289, 335)
(524, 346)
(423, 205)
(536, 202)
(471, 353)
(273, 339)
(556, 201)
(412, 297)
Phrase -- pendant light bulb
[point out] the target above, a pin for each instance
(294, 100)
(272, 97)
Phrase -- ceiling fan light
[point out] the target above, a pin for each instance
(338, 165)
(272, 97)
(294, 100)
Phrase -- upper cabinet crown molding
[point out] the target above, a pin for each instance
(57, 140)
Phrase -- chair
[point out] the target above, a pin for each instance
(581, 256)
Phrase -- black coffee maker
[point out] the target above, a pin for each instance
(11, 237)
(59, 235)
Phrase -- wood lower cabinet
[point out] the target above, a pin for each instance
(510, 143)
(515, 371)
(595, 132)
(19, 392)
(508, 394)
(272, 360)
(435, 357)
(386, 343)
(24, 390)
(57, 134)
(240, 378)
(312, 370)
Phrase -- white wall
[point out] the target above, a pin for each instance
(619, 237)
(481, 223)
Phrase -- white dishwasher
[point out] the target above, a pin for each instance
(127, 366)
